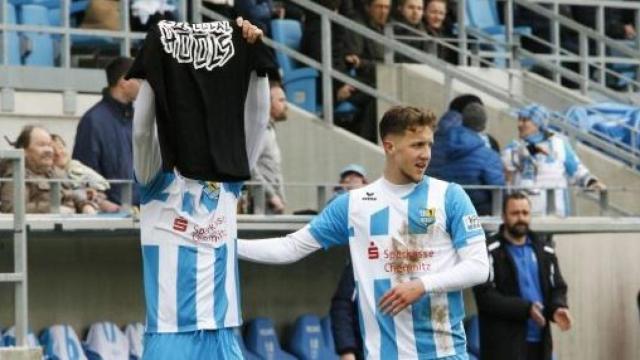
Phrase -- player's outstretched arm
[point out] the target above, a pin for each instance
(283, 250)
(146, 147)
(256, 116)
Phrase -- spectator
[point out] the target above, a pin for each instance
(453, 117)
(222, 7)
(102, 14)
(542, 158)
(39, 168)
(82, 176)
(410, 14)
(525, 290)
(460, 154)
(146, 13)
(435, 15)
(103, 137)
(361, 55)
(268, 169)
(344, 318)
(352, 176)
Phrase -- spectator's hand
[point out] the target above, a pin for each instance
(597, 186)
(353, 60)
(89, 209)
(348, 356)
(276, 204)
(250, 32)
(535, 312)
(345, 92)
(629, 31)
(562, 317)
(401, 296)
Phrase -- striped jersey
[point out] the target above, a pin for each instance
(188, 233)
(395, 235)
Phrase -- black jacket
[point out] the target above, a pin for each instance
(344, 316)
(503, 313)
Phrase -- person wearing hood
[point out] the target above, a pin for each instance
(460, 154)
(541, 158)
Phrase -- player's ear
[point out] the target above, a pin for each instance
(388, 145)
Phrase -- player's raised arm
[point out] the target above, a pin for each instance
(256, 116)
(147, 160)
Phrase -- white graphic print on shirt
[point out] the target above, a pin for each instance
(206, 45)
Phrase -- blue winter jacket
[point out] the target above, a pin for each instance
(460, 155)
(103, 142)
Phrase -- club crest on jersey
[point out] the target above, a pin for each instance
(427, 216)
(212, 189)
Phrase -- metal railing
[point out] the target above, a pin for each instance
(19, 275)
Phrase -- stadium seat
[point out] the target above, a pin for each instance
(13, 41)
(299, 82)
(307, 340)
(134, 334)
(9, 338)
(40, 50)
(105, 341)
(60, 342)
(327, 333)
(262, 340)
(472, 329)
(483, 15)
(248, 355)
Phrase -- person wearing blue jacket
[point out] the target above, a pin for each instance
(463, 154)
(103, 137)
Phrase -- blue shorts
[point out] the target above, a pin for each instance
(202, 344)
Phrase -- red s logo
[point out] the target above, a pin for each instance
(180, 224)
(373, 251)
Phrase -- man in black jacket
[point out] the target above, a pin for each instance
(525, 290)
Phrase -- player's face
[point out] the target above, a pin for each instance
(412, 11)
(435, 13)
(410, 153)
(517, 217)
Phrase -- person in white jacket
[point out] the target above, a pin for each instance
(542, 159)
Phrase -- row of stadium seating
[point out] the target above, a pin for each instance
(310, 339)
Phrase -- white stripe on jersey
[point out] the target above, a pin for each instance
(167, 281)
(441, 325)
(204, 290)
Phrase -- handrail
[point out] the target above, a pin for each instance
(19, 275)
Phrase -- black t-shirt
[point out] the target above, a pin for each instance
(200, 74)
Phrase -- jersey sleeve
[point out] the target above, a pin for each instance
(331, 227)
(463, 223)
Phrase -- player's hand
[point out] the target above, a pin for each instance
(348, 356)
(250, 32)
(562, 318)
(535, 312)
(401, 296)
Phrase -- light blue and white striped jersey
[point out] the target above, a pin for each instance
(188, 234)
(395, 237)
(61, 342)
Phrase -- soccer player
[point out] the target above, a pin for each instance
(415, 243)
(188, 230)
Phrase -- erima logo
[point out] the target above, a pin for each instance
(373, 251)
(369, 196)
(472, 222)
(180, 224)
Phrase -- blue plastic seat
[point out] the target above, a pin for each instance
(472, 329)
(327, 333)
(61, 342)
(41, 51)
(262, 340)
(248, 355)
(134, 333)
(106, 341)
(483, 15)
(13, 41)
(9, 338)
(299, 82)
(307, 341)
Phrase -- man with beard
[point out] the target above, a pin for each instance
(525, 290)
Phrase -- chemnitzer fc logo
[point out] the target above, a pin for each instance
(427, 216)
(369, 196)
